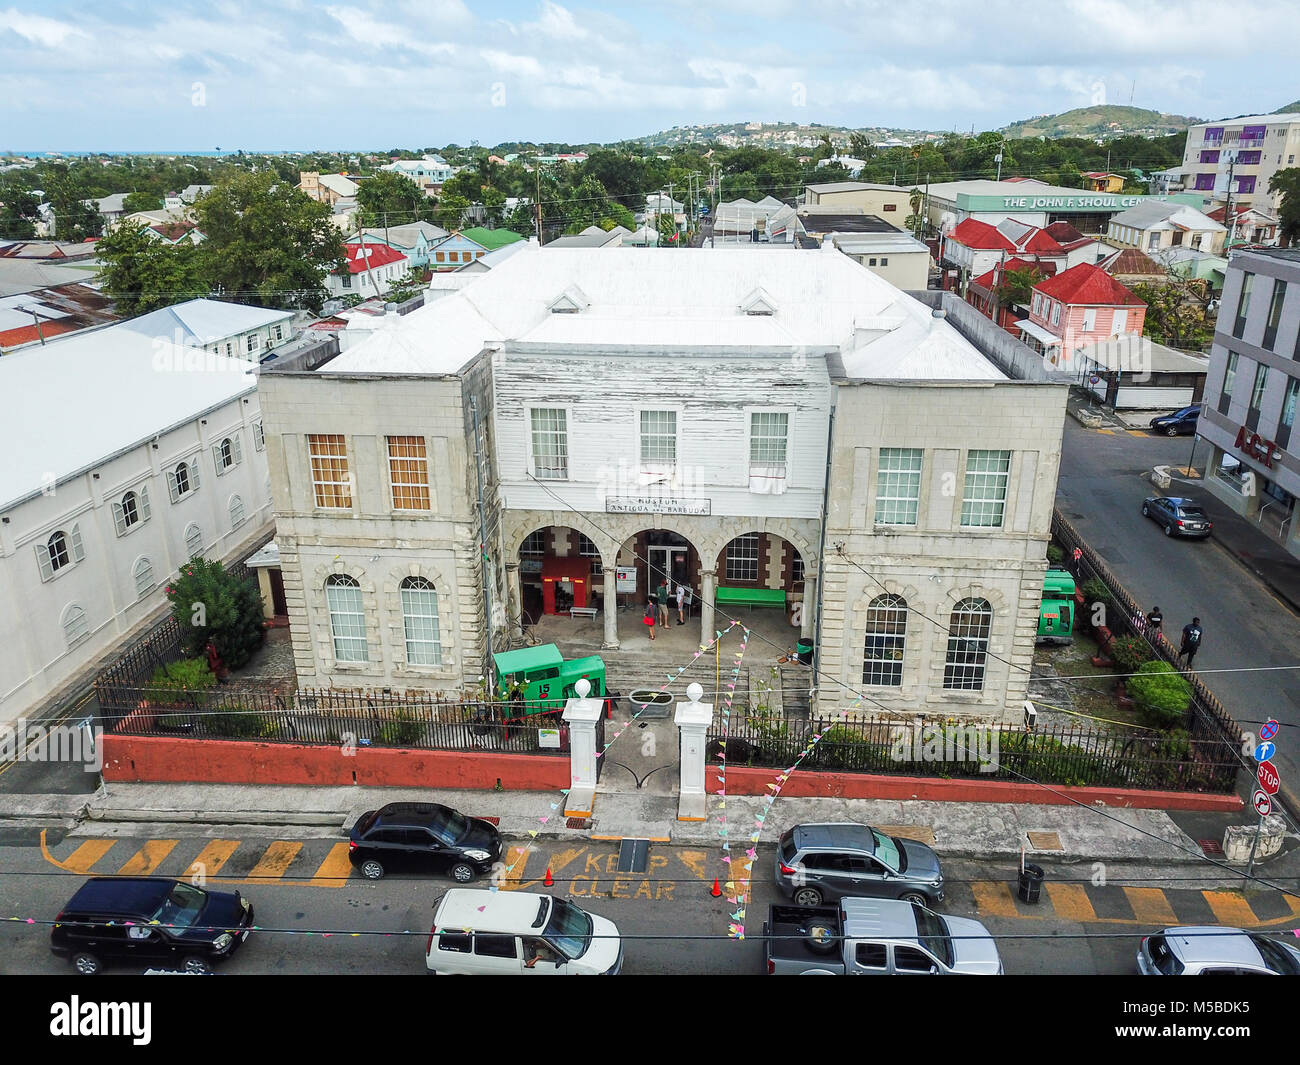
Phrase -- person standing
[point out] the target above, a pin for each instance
(1191, 641)
(1154, 620)
(661, 596)
(649, 618)
(681, 604)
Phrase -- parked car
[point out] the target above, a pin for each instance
(1178, 516)
(1215, 951)
(1180, 423)
(144, 920)
(876, 937)
(423, 837)
(822, 862)
(492, 933)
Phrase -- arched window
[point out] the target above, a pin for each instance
(57, 545)
(882, 661)
(131, 510)
(347, 618)
(420, 617)
(193, 540)
(226, 455)
(181, 477)
(968, 645)
(60, 550)
(236, 512)
(142, 571)
(75, 628)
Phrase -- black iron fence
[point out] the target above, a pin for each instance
(348, 719)
(940, 747)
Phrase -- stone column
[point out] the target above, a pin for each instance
(808, 621)
(581, 715)
(708, 589)
(515, 593)
(609, 603)
(693, 719)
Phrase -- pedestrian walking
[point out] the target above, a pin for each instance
(661, 595)
(1191, 641)
(1139, 623)
(649, 618)
(681, 604)
(1154, 620)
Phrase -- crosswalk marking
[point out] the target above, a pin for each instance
(276, 861)
(211, 858)
(1071, 902)
(1151, 906)
(148, 857)
(335, 869)
(993, 898)
(83, 859)
(1230, 908)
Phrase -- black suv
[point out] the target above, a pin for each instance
(144, 920)
(424, 837)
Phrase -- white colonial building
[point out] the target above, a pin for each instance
(790, 425)
(125, 456)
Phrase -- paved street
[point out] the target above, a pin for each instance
(304, 883)
(1100, 492)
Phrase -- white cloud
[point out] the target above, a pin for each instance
(47, 32)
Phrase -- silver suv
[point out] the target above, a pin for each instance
(816, 863)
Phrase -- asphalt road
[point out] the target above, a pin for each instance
(1247, 629)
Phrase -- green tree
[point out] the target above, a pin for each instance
(75, 219)
(1287, 182)
(450, 211)
(1176, 313)
(18, 216)
(142, 273)
(406, 286)
(1016, 287)
(390, 198)
(267, 242)
(667, 229)
(210, 604)
(142, 201)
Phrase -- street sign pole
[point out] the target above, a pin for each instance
(1254, 846)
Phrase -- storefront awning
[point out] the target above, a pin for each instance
(1040, 334)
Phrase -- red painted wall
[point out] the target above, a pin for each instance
(742, 780)
(163, 760)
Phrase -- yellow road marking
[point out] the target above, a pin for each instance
(83, 858)
(335, 869)
(1071, 902)
(276, 861)
(211, 858)
(993, 899)
(148, 857)
(556, 863)
(698, 863)
(1151, 906)
(1230, 908)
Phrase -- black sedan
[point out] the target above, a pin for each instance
(1180, 423)
(1178, 516)
(424, 837)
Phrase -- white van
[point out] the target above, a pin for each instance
(478, 931)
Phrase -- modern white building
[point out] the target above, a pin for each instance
(787, 422)
(429, 172)
(125, 455)
(1250, 149)
(234, 330)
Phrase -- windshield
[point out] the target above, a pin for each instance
(569, 929)
(448, 825)
(933, 934)
(787, 848)
(1163, 957)
(182, 907)
(889, 851)
(1277, 957)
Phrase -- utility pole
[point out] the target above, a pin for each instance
(1228, 219)
(364, 252)
(537, 203)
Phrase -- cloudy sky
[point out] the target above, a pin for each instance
(298, 74)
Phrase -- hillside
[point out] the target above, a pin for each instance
(1292, 108)
(1102, 121)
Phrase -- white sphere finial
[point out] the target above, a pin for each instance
(583, 688)
(694, 691)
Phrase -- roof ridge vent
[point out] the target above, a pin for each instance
(758, 302)
(571, 301)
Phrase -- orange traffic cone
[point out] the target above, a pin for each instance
(717, 890)
(550, 880)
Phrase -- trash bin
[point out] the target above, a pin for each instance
(803, 650)
(1031, 883)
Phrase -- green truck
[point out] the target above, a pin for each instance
(540, 680)
(1056, 610)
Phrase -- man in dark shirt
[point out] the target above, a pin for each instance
(1191, 641)
(661, 597)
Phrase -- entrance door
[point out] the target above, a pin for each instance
(660, 567)
(278, 602)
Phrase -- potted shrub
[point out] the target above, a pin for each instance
(1161, 694)
(1055, 556)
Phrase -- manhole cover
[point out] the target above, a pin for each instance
(1210, 847)
(577, 822)
(1045, 841)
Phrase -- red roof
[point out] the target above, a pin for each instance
(972, 233)
(985, 280)
(1089, 286)
(377, 255)
(1040, 243)
(1062, 232)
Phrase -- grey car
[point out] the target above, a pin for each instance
(1178, 516)
(1211, 950)
(820, 862)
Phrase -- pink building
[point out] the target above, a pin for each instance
(1082, 305)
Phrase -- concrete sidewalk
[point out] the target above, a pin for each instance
(955, 830)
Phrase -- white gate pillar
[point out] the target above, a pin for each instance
(581, 715)
(693, 719)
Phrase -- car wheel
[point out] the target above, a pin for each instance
(1146, 511)
(808, 896)
(196, 966)
(914, 897)
(1171, 430)
(462, 873)
(1169, 530)
(822, 938)
(371, 869)
(86, 964)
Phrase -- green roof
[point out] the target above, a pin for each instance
(491, 238)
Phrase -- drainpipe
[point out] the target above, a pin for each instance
(821, 561)
(484, 565)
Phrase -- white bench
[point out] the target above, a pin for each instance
(583, 612)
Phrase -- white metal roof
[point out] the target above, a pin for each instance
(1153, 213)
(204, 321)
(70, 404)
(1038, 332)
(681, 300)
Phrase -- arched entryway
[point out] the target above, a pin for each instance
(760, 569)
(560, 570)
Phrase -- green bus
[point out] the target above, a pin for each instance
(1056, 610)
(541, 680)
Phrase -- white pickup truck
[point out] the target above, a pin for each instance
(876, 937)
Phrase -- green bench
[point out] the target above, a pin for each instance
(750, 597)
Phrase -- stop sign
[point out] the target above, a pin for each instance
(1268, 778)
